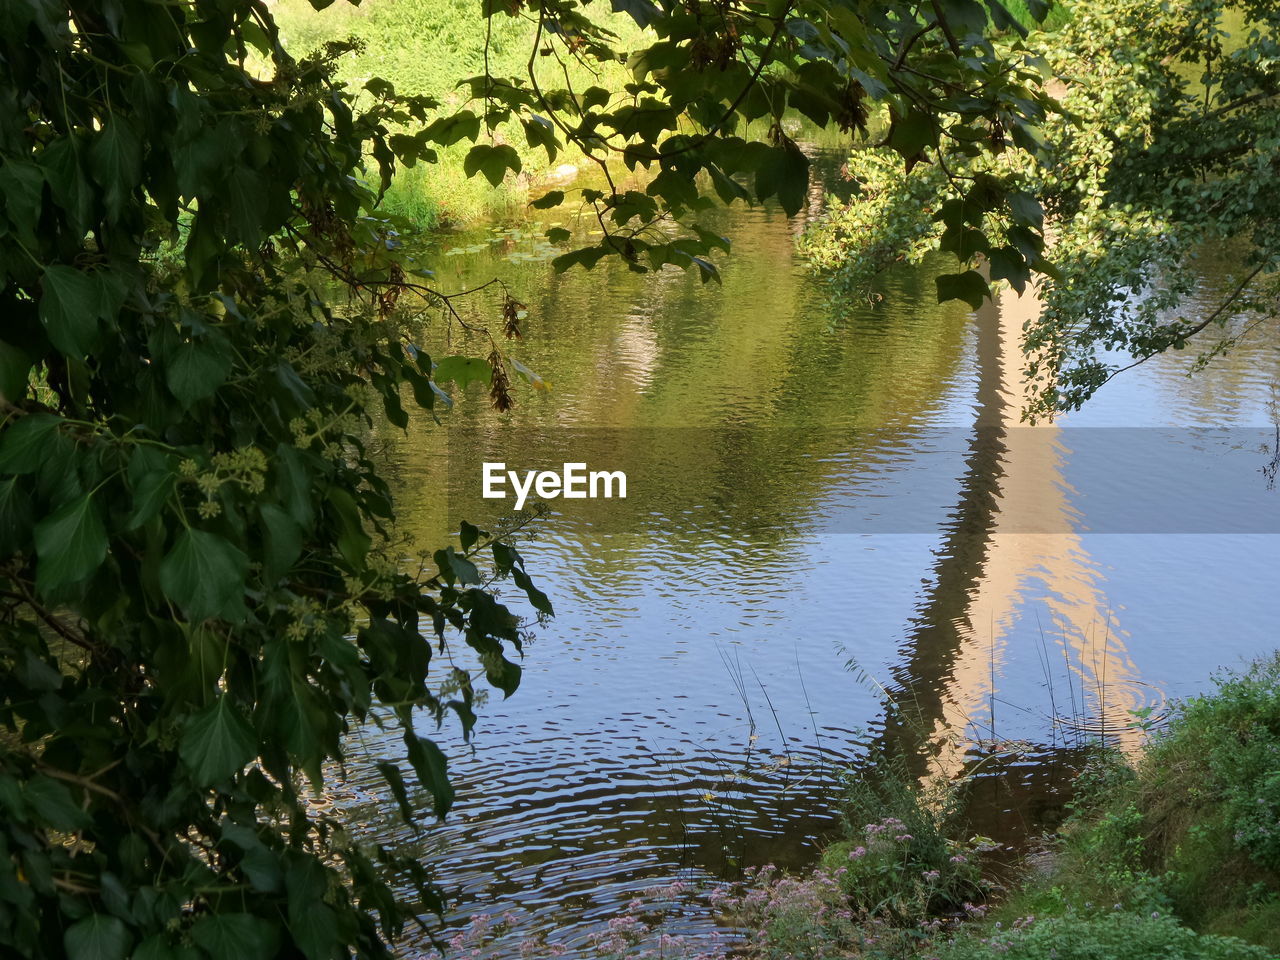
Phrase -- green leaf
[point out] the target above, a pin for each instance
(151, 481)
(558, 235)
(282, 544)
(70, 545)
(911, 134)
(97, 937)
(445, 131)
(784, 172)
(68, 183)
(455, 567)
(236, 936)
(311, 921)
(204, 574)
(353, 541)
(24, 445)
(968, 286)
(246, 199)
(462, 370)
(217, 742)
(51, 801)
(552, 198)
(432, 769)
(115, 159)
(493, 161)
(194, 370)
(69, 309)
(536, 597)
(1026, 209)
(468, 534)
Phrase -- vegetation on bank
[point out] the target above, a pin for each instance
(1178, 856)
(1174, 858)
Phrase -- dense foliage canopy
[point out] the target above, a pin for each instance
(1164, 146)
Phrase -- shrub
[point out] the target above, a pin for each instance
(1104, 937)
(900, 861)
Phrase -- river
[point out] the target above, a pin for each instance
(837, 538)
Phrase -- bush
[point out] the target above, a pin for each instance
(1104, 937)
(900, 861)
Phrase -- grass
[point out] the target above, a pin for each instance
(426, 48)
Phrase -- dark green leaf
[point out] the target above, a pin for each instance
(24, 446)
(115, 159)
(968, 286)
(217, 742)
(69, 309)
(97, 937)
(283, 542)
(204, 575)
(196, 369)
(52, 803)
(432, 769)
(236, 936)
(552, 198)
(71, 544)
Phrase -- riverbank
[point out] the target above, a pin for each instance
(1177, 855)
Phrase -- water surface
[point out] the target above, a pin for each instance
(839, 540)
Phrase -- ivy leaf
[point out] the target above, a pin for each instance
(236, 936)
(493, 161)
(217, 742)
(97, 937)
(454, 566)
(151, 481)
(468, 534)
(194, 370)
(68, 183)
(968, 286)
(540, 601)
(69, 307)
(23, 447)
(52, 802)
(283, 542)
(70, 545)
(115, 160)
(353, 541)
(204, 574)
(432, 769)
